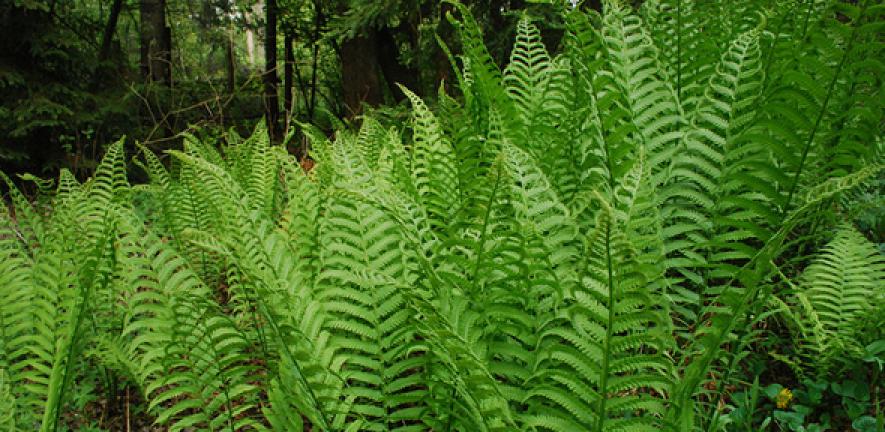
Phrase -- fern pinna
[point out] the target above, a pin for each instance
(584, 239)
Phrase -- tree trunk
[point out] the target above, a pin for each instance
(319, 19)
(394, 71)
(248, 17)
(230, 62)
(271, 99)
(289, 58)
(109, 30)
(250, 46)
(156, 42)
(360, 81)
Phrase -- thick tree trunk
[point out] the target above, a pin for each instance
(271, 99)
(109, 30)
(156, 42)
(394, 71)
(360, 80)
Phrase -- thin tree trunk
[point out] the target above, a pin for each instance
(319, 21)
(156, 64)
(231, 62)
(109, 30)
(248, 17)
(156, 42)
(167, 52)
(271, 99)
(250, 46)
(299, 79)
(289, 58)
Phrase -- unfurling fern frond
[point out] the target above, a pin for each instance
(650, 114)
(527, 74)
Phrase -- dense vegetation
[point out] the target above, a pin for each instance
(674, 222)
(75, 75)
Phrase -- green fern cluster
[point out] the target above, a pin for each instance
(839, 294)
(578, 241)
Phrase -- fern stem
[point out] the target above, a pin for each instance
(225, 387)
(609, 332)
(603, 380)
(708, 347)
(302, 380)
(880, 418)
(777, 34)
(807, 18)
(679, 53)
(484, 232)
(195, 212)
(261, 307)
(823, 110)
(451, 410)
(682, 395)
(713, 413)
(110, 384)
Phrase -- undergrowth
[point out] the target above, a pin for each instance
(600, 240)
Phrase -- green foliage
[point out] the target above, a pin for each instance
(49, 105)
(842, 404)
(838, 293)
(586, 240)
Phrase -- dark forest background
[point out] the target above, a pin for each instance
(76, 75)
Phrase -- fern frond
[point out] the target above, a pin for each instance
(433, 162)
(836, 294)
(192, 362)
(592, 369)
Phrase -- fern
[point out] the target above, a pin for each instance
(837, 293)
(712, 180)
(584, 239)
(434, 172)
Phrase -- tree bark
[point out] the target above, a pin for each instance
(394, 71)
(271, 99)
(250, 46)
(360, 81)
(289, 58)
(230, 62)
(109, 30)
(249, 14)
(319, 19)
(156, 42)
